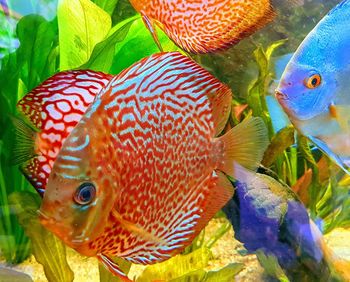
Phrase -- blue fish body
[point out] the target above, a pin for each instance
(267, 216)
(314, 88)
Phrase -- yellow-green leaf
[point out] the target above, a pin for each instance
(184, 264)
(280, 142)
(225, 274)
(82, 24)
(47, 249)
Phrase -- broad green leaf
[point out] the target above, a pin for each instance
(107, 5)
(225, 274)
(47, 249)
(122, 11)
(139, 44)
(194, 276)
(177, 266)
(102, 56)
(280, 142)
(37, 39)
(82, 24)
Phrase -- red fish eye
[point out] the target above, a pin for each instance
(313, 81)
(85, 194)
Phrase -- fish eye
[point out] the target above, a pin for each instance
(85, 194)
(313, 81)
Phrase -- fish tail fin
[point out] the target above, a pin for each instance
(220, 102)
(150, 26)
(245, 145)
(24, 144)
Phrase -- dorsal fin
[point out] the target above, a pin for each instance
(220, 101)
(24, 144)
(339, 6)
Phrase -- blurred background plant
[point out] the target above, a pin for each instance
(34, 47)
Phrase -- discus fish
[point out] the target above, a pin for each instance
(142, 173)
(314, 89)
(205, 26)
(50, 112)
(268, 216)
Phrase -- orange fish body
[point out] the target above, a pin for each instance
(205, 26)
(143, 166)
(53, 109)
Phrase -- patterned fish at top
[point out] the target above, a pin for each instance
(142, 173)
(314, 86)
(50, 112)
(205, 26)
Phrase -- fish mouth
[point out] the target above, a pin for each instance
(58, 229)
(280, 95)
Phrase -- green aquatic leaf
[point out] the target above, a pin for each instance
(122, 11)
(279, 143)
(225, 274)
(271, 266)
(102, 56)
(138, 44)
(38, 38)
(47, 249)
(185, 264)
(22, 70)
(258, 89)
(107, 5)
(82, 24)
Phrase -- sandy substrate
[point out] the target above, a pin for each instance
(225, 251)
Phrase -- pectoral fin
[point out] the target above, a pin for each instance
(137, 229)
(324, 147)
(342, 115)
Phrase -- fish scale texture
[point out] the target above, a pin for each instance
(156, 152)
(207, 26)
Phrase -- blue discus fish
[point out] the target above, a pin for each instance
(315, 87)
(267, 216)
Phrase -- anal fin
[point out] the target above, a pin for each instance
(323, 147)
(113, 267)
(219, 195)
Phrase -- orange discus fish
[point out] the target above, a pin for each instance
(52, 110)
(142, 173)
(199, 26)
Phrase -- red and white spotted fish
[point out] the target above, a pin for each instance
(142, 173)
(50, 113)
(199, 26)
